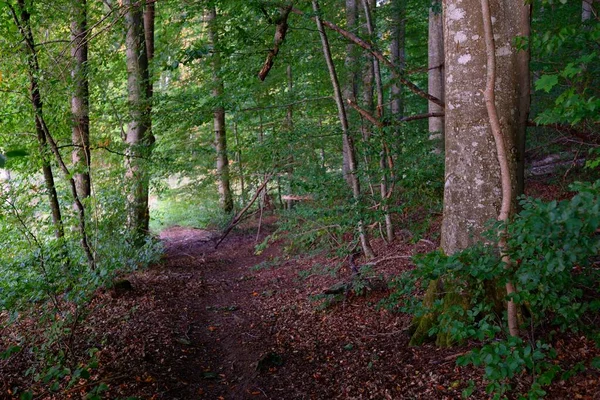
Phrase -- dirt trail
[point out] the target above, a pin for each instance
(230, 324)
(203, 334)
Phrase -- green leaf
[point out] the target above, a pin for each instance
(546, 83)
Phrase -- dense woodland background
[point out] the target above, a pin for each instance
(349, 122)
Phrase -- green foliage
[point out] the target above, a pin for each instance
(565, 54)
(554, 251)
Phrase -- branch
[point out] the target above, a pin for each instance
(239, 215)
(280, 32)
(369, 47)
(492, 110)
(377, 122)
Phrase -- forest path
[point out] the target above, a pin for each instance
(227, 323)
(219, 335)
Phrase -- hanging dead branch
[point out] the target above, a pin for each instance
(238, 217)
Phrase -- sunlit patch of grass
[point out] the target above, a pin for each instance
(178, 207)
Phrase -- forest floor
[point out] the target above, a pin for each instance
(228, 323)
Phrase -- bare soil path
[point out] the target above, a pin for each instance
(230, 324)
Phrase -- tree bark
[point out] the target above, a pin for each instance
(436, 71)
(46, 140)
(588, 10)
(225, 198)
(80, 131)
(22, 20)
(472, 182)
(398, 54)
(350, 87)
(353, 178)
(290, 127)
(138, 138)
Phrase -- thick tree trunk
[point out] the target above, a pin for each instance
(22, 20)
(223, 184)
(80, 131)
(473, 190)
(436, 70)
(472, 193)
(352, 173)
(139, 138)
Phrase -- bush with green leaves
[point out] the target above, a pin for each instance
(554, 248)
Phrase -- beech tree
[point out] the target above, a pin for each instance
(474, 191)
(225, 198)
(22, 19)
(139, 136)
(80, 106)
(435, 46)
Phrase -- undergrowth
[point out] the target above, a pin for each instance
(555, 251)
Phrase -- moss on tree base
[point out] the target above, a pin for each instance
(451, 297)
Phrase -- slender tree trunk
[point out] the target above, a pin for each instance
(139, 138)
(290, 126)
(240, 163)
(350, 88)
(389, 227)
(80, 131)
(398, 54)
(225, 198)
(22, 20)
(524, 90)
(352, 174)
(44, 137)
(436, 70)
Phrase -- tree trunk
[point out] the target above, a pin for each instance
(46, 140)
(588, 10)
(398, 54)
(473, 182)
(240, 163)
(225, 198)
(22, 20)
(473, 187)
(436, 71)
(290, 127)
(350, 88)
(383, 156)
(139, 138)
(524, 90)
(352, 177)
(80, 131)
